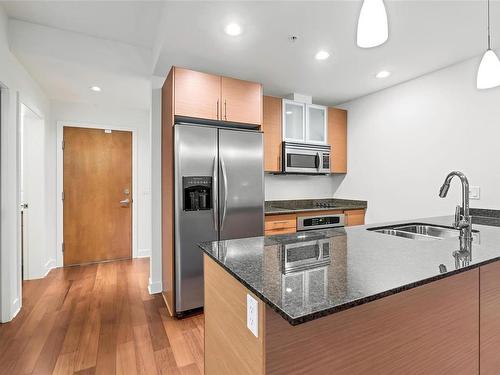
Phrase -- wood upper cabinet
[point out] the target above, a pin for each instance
(271, 126)
(196, 94)
(241, 101)
(337, 138)
(212, 97)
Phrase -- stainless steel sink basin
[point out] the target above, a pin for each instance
(422, 231)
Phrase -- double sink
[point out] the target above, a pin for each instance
(421, 231)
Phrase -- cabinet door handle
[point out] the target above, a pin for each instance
(225, 110)
(217, 109)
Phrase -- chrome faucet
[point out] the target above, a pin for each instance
(463, 220)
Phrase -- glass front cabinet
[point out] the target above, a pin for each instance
(304, 123)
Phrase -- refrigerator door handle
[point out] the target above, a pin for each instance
(224, 180)
(215, 193)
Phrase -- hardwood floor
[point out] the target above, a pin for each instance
(99, 319)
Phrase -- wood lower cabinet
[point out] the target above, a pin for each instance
(354, 217)
(273, 133)
(490, 319)
(337, 138)
(241, 101)
(196, 94)
(280, 224)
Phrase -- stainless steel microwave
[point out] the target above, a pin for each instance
(306, 158)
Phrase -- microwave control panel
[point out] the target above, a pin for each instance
(326, 161)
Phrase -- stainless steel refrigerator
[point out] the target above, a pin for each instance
(219, 195)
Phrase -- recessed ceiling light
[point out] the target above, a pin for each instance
(96, 88)
(233, 29)
(322, 55)
(383, 74)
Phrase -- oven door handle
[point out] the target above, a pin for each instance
(316, 160)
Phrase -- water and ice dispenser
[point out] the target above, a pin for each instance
(197, 193)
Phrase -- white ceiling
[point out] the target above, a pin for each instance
(424, 36)
(133, 22)
(119, 44)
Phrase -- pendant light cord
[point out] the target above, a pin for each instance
(489, 32)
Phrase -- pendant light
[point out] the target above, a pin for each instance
(373, 29)
(488, 74)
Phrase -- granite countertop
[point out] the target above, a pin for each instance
(306, 205)
(362, 266)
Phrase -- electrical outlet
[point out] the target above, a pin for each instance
(474, 192)
(253, 315)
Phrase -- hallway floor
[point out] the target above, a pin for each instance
(99, 319)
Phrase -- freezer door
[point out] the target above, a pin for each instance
(196, 167)
(241, 184)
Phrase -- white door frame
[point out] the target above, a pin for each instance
(10, 257)
(60, 173)
(27, 264)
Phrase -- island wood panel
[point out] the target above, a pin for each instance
(432, 329)
(337, 138)
(230, 347)
(354, 217)
(241, 101)
(271, 126)
(490, 319)
(197, 94)
(167, 201)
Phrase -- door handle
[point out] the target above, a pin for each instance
(224, 180)
(215, 192)
(125, 202)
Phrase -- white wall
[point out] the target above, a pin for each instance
(107, 116)
(279, 187)
(155, 280)
(17, 82)
(402, 142)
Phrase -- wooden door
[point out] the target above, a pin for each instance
(337, 138)
(241, 101)
(271, 126)
(197, 94)
(97, 177)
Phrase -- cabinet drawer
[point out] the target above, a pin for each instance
(279, 231)
(280, 224)
(354, 217)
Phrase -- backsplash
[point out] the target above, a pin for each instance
(280, 187)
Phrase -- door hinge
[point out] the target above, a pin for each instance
(62, 247)
(62, 195)
(62, 144)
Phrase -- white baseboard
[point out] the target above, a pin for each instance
(143, 253)
(154, 287)
(16, 307)
(51, 264)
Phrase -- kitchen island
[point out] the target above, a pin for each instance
(353, 301)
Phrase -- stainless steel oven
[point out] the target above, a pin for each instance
(306, 158)
(320, 222)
